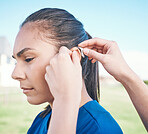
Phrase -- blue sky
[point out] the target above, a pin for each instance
(126, 21)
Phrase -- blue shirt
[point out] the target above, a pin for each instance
(92, 119)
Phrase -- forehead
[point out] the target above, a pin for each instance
(26, 37)
(30, 37)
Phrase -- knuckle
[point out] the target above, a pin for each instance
(95, 38)
(63, 48)
(62, 56)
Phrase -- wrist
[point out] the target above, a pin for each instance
(129, 78)
(125, 75)
(66, 106)
(67, 100)
(69, 97)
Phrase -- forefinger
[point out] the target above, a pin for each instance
(95, 42)
(65, 50)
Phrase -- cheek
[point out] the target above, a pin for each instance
(36, 72)
(37, 75)
(38, 68)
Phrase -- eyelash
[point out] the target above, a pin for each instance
(29, 59)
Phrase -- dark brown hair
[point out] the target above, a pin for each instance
(64, 29)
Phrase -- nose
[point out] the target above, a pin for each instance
(18, 73)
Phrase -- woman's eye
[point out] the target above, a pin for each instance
(29, 59)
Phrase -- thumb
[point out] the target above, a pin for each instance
(93, 54)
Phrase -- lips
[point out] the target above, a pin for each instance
(26, 90)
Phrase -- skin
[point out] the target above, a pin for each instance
(69, 98)
(46, 75)
(108, 54)
(31, 74)
(35, 66)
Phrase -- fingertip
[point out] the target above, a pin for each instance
(76, 57)
(64, 49)
(89, 58)
(76, 54)
(86, 51)
(93, 60)
(76, 51)
(82, 44)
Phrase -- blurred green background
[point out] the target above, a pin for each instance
(16, 115)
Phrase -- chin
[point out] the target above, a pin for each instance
(35, 101)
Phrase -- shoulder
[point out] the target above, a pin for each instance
(93, 117)
(40, 124)
(37, 119)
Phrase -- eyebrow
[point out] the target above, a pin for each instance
(22, 51)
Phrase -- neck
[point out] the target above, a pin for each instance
(84, 95)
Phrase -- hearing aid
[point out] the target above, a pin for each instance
(81, 51)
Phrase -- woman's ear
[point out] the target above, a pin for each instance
(78, 51)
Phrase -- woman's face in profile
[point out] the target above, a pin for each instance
(32, 55)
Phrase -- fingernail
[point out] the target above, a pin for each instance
(86, 51)
(89, 58)
(75, 52)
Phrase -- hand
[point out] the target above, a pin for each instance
(64, 75)
(108, 53)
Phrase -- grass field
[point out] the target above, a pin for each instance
(117, 102)
(16, 115)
